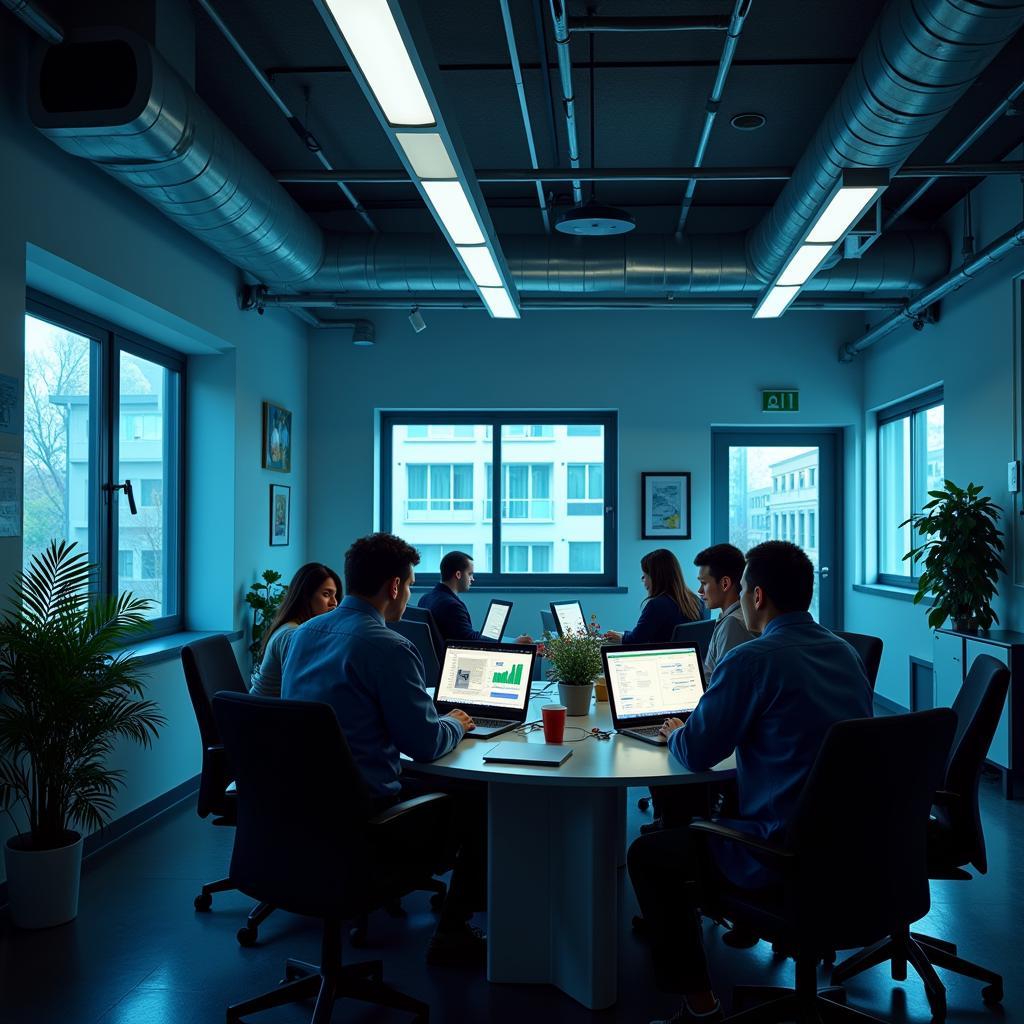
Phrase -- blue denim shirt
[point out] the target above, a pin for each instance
(373, 678)
(772, 700)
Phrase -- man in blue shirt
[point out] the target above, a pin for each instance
(373, 678)
(771, 700)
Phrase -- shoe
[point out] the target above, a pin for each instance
(651, 826)
(684, 1015)
(738, 937)
(461, 947)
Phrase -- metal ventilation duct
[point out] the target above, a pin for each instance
(920, 58)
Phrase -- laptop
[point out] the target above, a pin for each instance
(569, 617)
(496, 619)
(648, 683)
(490, 682)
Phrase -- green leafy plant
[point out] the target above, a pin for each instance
(961, 557)
(575, 657)
(69, 694)
(264, 598)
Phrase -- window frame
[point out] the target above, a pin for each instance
(907, 408)
(496, 578)
(104, 446)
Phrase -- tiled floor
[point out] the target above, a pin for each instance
(139, 954)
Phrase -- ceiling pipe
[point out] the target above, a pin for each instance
(524, 110)
(561, 24)
(545, 75)
(739, 15)
(309, 140)
(912, 312)
(919, 59)
(40, 21)
(680, 23)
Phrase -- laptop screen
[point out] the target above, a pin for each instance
(569, 617)
(485, 675)
(494, 621)
(657, 681)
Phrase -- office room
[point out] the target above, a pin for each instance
(668, 285)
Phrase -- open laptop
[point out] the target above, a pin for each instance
(569, 617)
(496, 619)
(648, 683)
(490, 682)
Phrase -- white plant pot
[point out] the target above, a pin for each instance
(43, 884)
(576, 699)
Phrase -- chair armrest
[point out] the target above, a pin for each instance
(945, 798)
(405, 808)
(770, 850)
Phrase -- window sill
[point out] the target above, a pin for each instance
(168, 648)
(883, 590)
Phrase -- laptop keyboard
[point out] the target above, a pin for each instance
(646, 730)
(491, 723)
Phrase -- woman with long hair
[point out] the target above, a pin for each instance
(668, 604)
(314, 589)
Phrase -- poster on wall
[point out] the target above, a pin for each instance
(10, 401)
(280, 515)
(10, 494)
(277, 438)
(665, 506)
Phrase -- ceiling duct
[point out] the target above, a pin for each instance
(920, 58)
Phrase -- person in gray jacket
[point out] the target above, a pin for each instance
(719, 569)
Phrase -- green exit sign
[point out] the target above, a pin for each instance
(780, 401)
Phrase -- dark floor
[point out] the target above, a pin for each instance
(139, 954)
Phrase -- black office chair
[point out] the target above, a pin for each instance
(547, 622)
(418, 633)
(698, 633)
(426, 615)
(853, 862)
(870, 650)
(308, 842)
(955, 839)
(210, 667)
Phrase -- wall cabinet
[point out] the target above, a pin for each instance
(953, 655)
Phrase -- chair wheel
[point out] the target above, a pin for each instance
(247, 935)
(203, 902)
(992, 993)
(357, 938)
(437, 902)
(643, 803)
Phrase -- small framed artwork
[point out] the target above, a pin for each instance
(665, 506)
(280, 515)
(277, 438)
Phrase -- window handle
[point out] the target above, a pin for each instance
(129, 494)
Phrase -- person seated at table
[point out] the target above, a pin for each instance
(373, 678)
(771, 700)
(450, 612)
(668, 604)
(314, 589)
(719, 570)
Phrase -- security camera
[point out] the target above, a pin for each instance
(918, 323)
(416, 319)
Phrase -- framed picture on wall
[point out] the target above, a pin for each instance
(665, 506)
(277, 438)
(280, 515)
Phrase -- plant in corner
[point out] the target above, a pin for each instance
(961, 556)
(264, 598)
(69, 693)
(575, 659)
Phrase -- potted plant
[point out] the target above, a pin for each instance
(68, 693)
(264, 598)
(575, 662)
(961, 556)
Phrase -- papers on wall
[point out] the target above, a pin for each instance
(10, 494)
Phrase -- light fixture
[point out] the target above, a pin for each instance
(416, 319)
(453, 210)
(498, 303)
(856, 189)
(364, 333)
(592, 219)
(427, 154)
(480, 264)
(748, 122)
(370, 30)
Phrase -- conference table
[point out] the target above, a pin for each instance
(556, 838)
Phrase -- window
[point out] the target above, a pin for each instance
(103, 407)
(910, 464)
(555, 489)
(431, 555)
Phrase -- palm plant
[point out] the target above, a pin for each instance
(961, 557)
(69, 693)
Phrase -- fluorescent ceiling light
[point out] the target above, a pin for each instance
(775, 302)
(454, 211)
(498, 303)
(481, 266)
(804, 263)
(372, 35)
(427, 154)
(842, 212)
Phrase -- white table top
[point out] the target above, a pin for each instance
(618, 761)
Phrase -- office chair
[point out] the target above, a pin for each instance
(418, 633)
(210, 667)
(698, 633)
(427, 616)
(955, 839)
(852, 863)
(307, 841)
(870, 650)
(547, 622)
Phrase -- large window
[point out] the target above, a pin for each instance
(444, 476)
(910, 464)
(103, 408)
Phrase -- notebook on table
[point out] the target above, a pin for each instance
(490, 682)
(648, 683)
(553, 754)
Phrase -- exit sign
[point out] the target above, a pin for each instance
(780, 401)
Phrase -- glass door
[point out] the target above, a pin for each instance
(782, 485)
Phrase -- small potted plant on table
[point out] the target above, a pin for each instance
(575, 662)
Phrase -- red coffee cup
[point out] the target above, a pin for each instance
(553, 716)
